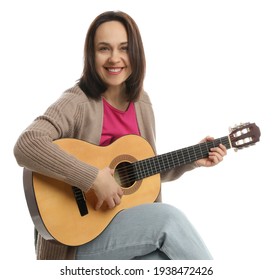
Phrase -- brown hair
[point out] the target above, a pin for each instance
(90, 81)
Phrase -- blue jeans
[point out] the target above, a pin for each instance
(155, 231)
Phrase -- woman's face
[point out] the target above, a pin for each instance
(111, 53)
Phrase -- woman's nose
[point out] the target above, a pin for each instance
(114, 57)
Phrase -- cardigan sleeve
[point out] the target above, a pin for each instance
(35, 149)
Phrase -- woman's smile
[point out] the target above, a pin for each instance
(114, 70)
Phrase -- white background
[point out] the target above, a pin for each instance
(209, 66)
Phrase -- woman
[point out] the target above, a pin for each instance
(108, 102)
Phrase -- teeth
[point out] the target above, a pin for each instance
(114, 70)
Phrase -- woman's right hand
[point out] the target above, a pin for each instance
(107, 189)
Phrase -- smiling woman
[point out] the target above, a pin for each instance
(113, 44)
(106, 104)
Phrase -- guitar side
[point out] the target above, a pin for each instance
(52, 204)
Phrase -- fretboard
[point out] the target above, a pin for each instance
(157, 164)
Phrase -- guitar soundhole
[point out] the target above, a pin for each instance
(125, 174)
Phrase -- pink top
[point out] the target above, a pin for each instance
(117, 123)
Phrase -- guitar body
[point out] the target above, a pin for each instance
(52, 203)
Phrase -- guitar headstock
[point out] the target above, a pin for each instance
(244, 135)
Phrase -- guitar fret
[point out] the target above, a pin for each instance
(167, 161)
(173, 162)
(199, 146)
(153, 165)
(176, 153)
(153, 159)
(150, 164)
(191, 153)
(194, 153)
(146, 169)
(188, 154)
(207, 146)
(161, 162)
(137, 170)
(181, 157)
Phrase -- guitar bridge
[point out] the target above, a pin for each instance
(80, 199)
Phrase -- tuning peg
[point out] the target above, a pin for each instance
(238, 126)
(231, 128)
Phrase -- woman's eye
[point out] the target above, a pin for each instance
(125, 48)
(103, 49)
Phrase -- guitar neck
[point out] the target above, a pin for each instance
(154, 165)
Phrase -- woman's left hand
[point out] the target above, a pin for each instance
(216, 155)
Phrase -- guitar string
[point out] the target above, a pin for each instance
(136, 170)
(141, 172)
(134, 174)
(178, 158)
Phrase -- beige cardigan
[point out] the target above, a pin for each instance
(74, 115)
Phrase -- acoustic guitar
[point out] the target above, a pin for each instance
(64, 213)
